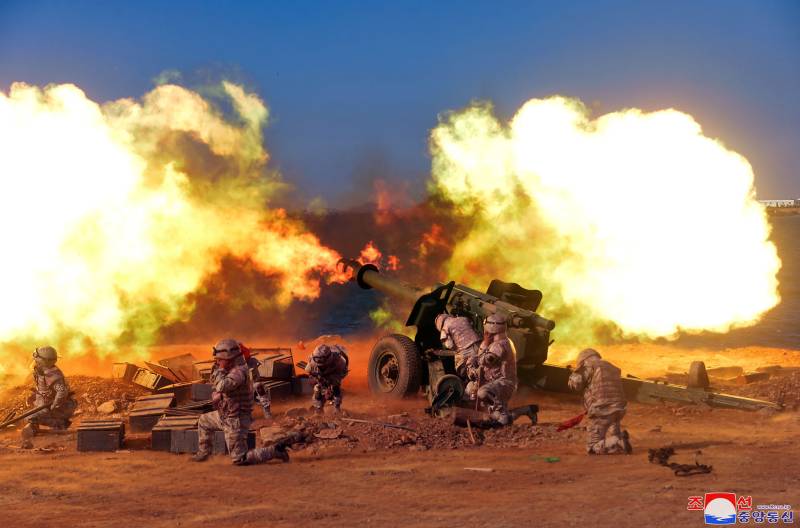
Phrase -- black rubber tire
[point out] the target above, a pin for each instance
(408, 372)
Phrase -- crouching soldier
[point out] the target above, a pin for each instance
(233, 400)
(50, 389)
(328, 366)
(604, 402)
(493, 373)
(457, 334)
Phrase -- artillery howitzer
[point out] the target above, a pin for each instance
(400, 366)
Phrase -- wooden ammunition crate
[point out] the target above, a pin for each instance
(148, 410)
(101, 435)
(124, 371)
(186, 442)
(183, 441)
(149, 379)
(161, 438)
(188, 392)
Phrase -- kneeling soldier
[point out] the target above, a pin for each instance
(51, 389)
(494, 372)
(328, 366)
(233, 400)
(604, 402)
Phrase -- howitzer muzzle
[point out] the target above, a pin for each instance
(544, 324)
(367, 276)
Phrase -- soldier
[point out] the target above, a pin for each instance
(493, 373)
(328, 366)
(233, 400)
(457, 334)
(262, 392)
(50, 388)
(604, 401)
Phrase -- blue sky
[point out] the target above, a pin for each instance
(354, 87)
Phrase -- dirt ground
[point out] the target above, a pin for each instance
(335, 484)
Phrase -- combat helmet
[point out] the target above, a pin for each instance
(586, 354)
(495, 324)
(45, 355)
(322, 354)
(227, 349)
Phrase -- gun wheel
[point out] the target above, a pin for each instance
(394, 367)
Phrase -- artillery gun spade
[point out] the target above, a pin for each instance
(400, 366)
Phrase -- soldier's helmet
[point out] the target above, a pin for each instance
(322, 354)
(586, 354)
(227, 349)
(440, 319)
(495, 324)
(46, 355)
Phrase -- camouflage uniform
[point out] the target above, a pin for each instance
(494, 372)
(604, 401)
(458, 335)
(328, 366)
(233, 390)
(51, 389)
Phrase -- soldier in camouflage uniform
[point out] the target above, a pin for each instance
(493, 373)
(51, 389)
(604, 401)
(457, 334)
(328, 366)
(233, 400)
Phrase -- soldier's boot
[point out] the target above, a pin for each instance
(531, 411)
(200, 456)
(281, 453)
(500, 414)
(27, 434)
(337, 404)
(260, 455)
(612, 445)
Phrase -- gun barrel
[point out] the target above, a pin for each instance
(368, 277)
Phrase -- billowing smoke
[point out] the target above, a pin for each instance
(632, 222)
(113, 215)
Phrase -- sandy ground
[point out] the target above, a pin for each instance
(751, 454)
